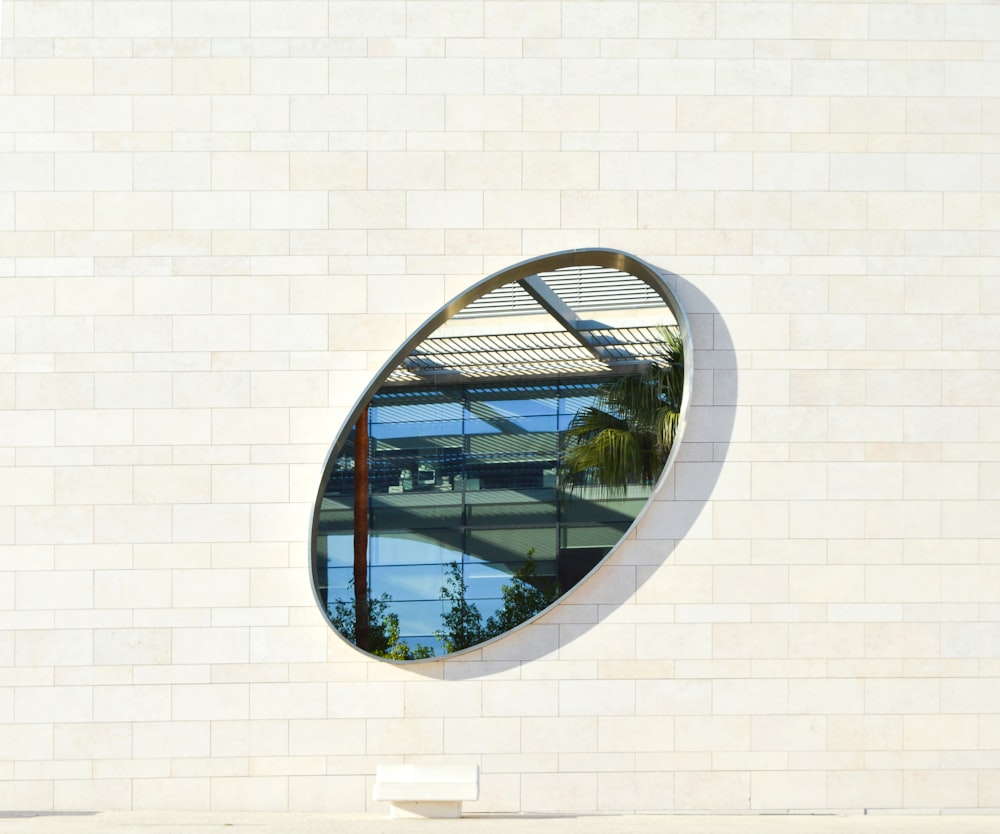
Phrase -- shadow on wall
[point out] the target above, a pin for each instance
(668, 519)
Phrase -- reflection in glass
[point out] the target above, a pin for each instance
(496, 466)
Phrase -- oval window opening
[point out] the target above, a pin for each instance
(501, 454)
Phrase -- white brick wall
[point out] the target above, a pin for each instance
(218, 218)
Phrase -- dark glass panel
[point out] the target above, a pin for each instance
(416, 511)
(336, 514)
(515, 508)
(515, 446)
(512, 545)
(603, 535)
(594, 506)
(577, 563)
(341, 480)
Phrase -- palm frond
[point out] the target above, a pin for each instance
(612, 458)
(625, 437)
(592, 420)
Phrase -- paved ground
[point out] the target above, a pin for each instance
(126, 822)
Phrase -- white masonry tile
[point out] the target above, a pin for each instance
(7, 391)
(921, 77)
(178, 739)
(54, 76)
(34, 113)
(970, 78)
(526, 76)
(136, 646)
(141, 589)
(508, 209)
(147, 210)
(367, 75)
(52, 20)
(171, 426)
(220, 220)
(211, 523)
(224, 18)
(411, 170)
(577, 790)
(277, 522)
(927, 788)
(740, 77)
(436, 18)
(27, 171)
(276, 76)
(133, 76)
(215, 76)
(496, 112)
(334, 171)
(769, 789)
(642, 170)
(164, 484)
(55, 211)
(123, 524)
(831, 78)
(357, 18)
(206, 210)
(299, 18)
(132, 20)
(240, 112)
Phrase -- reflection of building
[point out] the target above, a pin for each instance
(469, 474)
(465, 444)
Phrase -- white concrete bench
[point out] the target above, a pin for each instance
(426, 790)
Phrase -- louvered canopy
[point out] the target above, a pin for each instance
(551, 337)
(584, 288)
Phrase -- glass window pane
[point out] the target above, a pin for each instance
(416, 511)
(339, 583)
(431, 547)
(487, 579)
(467, 475)
(402, 405)
(605, 535)
(512, 545)
(514, 401)
(340, 549)
(336, 515)
(407, 582)
(418, 620)
(591, 504)
(512, 507)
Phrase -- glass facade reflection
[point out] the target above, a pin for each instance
(465, 475)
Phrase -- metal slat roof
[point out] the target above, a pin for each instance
(545, 354)
(584, 288)
(582, 347)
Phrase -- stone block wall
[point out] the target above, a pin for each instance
(219, 217)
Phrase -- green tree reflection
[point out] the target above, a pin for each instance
(523, 597)
(383, 628)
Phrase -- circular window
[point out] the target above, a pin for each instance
(501, 454)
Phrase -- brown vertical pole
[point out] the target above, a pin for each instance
(361, 445)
